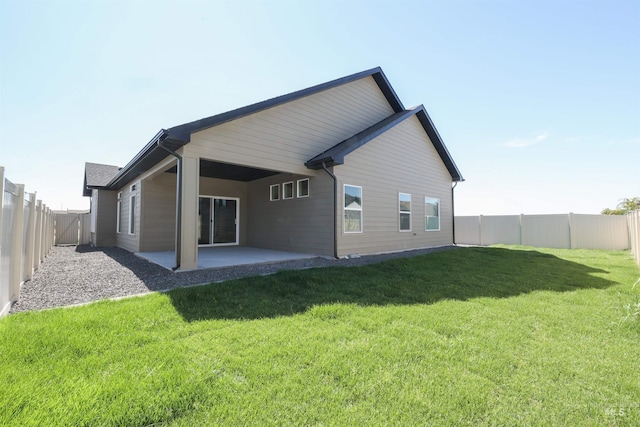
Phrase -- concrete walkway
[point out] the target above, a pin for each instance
(225, 256)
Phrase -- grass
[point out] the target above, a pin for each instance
(472, 336)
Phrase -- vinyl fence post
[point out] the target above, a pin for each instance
(31, 237)
(16, 246)
(571, 231)
(481, 230)
(45, 232)
(522, 229)
(51, 230)
(38, 240)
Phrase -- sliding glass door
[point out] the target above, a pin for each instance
(218, 221)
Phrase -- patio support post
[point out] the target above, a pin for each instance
(178, 235)
(189, 225)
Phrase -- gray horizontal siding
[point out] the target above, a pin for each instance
(158, 213)
(298, 224)
(283, 138)
(105, 234)
(124, 239)
(402, 160)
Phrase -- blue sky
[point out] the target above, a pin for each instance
(537, 101)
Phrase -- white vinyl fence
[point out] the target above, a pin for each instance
(568, 231)
(26, 235)
(633, 221)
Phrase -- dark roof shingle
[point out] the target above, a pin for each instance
(97, 175)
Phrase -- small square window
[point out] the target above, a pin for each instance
(133, 188)
(274, 192)
(303, 187)
(287, 190)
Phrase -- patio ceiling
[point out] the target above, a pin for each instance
(211, 169)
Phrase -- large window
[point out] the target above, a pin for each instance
(431, 214)
(352, 209)
(404, 204)
(132, 214)
(119, 214)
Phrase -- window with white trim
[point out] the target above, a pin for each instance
(352, 209)
(119, 213)
(132, 214)
(287, 190)
(404, 206)
(303, 187)
(274, 192)
(431, 214)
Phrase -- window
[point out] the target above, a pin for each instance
(431, 214)
(404, 204)
(132, 214)
(274, 192)
(119, 214)
(352, 209)
(133, 188)
(303, 187)
(287, 190)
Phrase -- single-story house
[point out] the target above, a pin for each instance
(337, 169)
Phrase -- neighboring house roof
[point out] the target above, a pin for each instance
(175, 137)
(97, 175)
(335, 155)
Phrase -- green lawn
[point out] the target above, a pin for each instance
(472, 336)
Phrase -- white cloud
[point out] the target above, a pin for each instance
(518, 143)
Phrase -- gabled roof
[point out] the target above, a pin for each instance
(97, 175)
(335, 155)
(183, 132)
(177, 136)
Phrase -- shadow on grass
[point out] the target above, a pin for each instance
(456, 275)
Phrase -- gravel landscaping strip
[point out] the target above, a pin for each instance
(80, 274)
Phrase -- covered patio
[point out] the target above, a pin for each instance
(225, 256)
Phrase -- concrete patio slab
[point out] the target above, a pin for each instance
(225, 256)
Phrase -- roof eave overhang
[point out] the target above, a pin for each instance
(376, 73)
(149, 156)
(316, 164)
(438, 144)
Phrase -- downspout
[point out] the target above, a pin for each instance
(335, 208)
(178, 204)
(453, 213)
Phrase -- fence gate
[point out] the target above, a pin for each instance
(71, 229)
